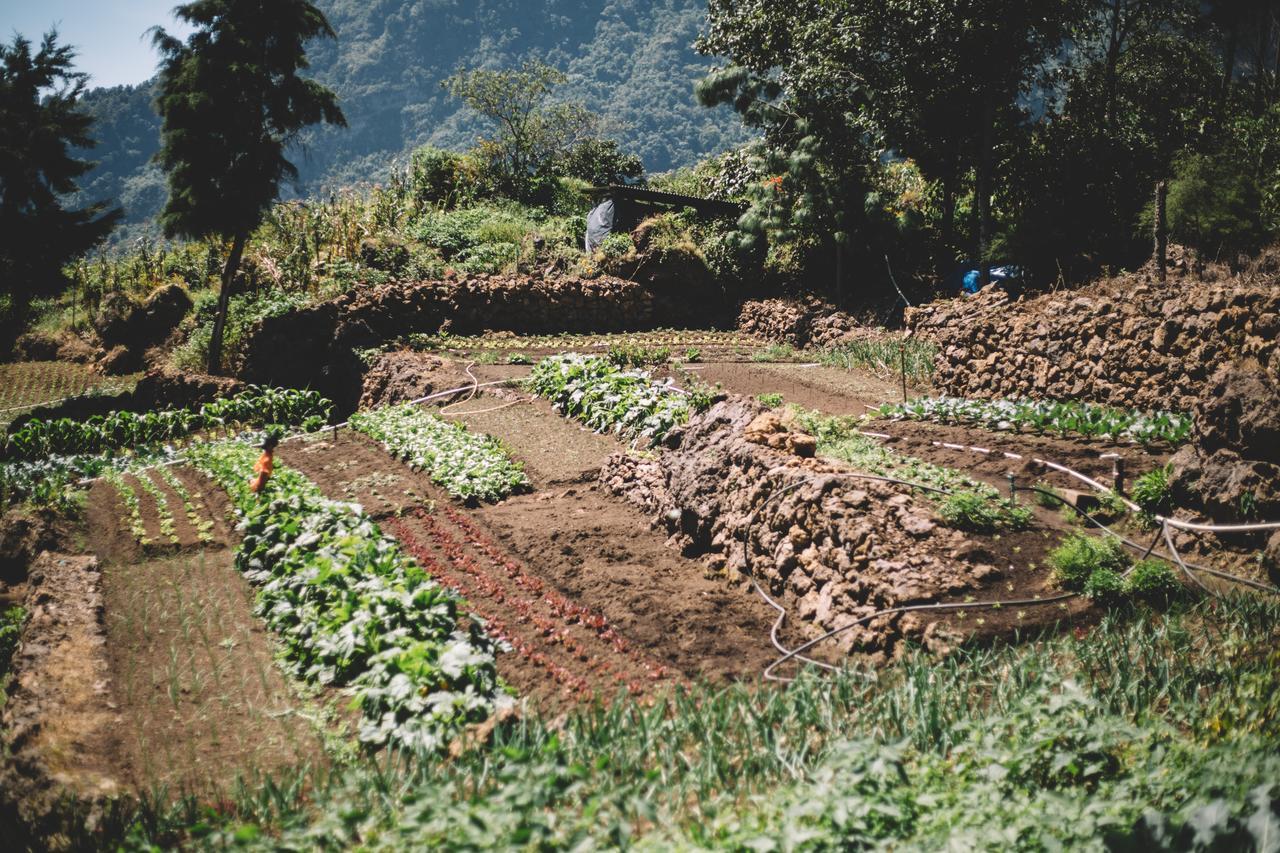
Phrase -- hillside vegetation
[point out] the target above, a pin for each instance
(632, 61)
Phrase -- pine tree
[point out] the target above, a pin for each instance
(41, 121)
(231, 102)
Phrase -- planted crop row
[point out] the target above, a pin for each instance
(192, 505)
(467, 465)
(1048, 416)
(255, 406)
(131, 504)
(609, 399)
(971, 505)
(353, 609)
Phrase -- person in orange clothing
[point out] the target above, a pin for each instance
(266, 463)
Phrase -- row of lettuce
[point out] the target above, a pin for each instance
(44, 459)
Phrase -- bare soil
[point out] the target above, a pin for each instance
(596, 553)
(827, 389)
(191, 668)
(554, 449)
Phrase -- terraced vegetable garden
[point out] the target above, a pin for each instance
(629, 596)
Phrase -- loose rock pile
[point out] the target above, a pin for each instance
(799, 322)
(1126, 342)
(832, 548)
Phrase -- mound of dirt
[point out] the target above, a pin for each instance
(832, 546)
(137, 326)
(64, 346)
(316, 346)
(1231, 470)
(60, 729)
(405, 375)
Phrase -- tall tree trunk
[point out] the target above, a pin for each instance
(1159, 232)
(1229, 60)
(1112, 65)
(224, 297)
(983, 188)
(948, 216)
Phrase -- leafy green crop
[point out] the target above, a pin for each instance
(1152, 491)
(1061, 417)
(255, 406)
(606, 398)
(1080, 555)
(467, 465)
(352, 609)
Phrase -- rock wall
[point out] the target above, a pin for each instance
(1230, 471)
(1126, 342)
(316, 346)
(832, 548)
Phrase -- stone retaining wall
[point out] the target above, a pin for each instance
(315, 347)
(1125, 342)
(830, 547)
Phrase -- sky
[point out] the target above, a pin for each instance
(107, 34)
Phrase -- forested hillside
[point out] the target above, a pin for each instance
(630, 60)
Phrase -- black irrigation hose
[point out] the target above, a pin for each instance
(1149, 550)
(961, 605)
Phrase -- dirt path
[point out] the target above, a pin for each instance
(554, 449)
(827, 389)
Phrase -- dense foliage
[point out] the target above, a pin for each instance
(231, 102)
(1139, 733)
(1064, 417)
(1101, 569)
(607, 398)
(254, 406)
(467, 465)
(353, 610)
(42, 122)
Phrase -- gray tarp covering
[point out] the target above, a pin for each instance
(599, 224)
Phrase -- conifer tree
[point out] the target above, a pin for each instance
(231, 102)
(41, 121)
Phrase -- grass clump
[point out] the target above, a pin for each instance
(773, 401)
(1153, 491)
(969, 510)
(11, 621)
(1153, 581)
(885, 356)
(1080, 555)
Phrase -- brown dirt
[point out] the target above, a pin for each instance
(200, 697)
(826, 389)
(595, 551)
(61, 727)
(553, 448)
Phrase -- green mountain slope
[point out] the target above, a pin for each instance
(630, 60)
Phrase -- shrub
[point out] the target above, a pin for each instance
(1104, 585)
(773, 401)
(1080, 554)
(1214, 204)
(1152, 491)
(969, 510)
(1153, 581)
(637, 355)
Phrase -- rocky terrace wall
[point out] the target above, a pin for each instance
(316, 346)
(832, 550)
(1126, 342)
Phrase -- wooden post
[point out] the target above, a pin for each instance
(1160, 235)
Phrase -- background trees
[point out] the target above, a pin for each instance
(1039, 129)
(231, 102)
(41, 121)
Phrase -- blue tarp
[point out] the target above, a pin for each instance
(967, 278)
